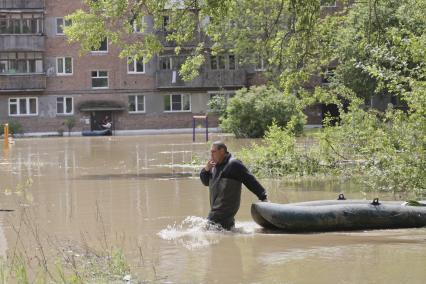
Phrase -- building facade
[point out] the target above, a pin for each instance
(45, 81)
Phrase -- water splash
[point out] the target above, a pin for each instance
(193, 233)
(196, 232)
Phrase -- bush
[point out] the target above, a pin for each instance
(14, 127)
(251, 111)
(69, 123)
(387, 149)
(279, 156)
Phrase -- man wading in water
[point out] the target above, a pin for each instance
(224, 174)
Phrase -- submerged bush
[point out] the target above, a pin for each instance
(279, 156)
(387, 149)
(251, 111)
(14, 127)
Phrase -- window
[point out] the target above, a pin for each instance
(64, 105)
(216, 101)
(3, 24)
(177, 103)
(21, 23)
(135, 66)
(260, 65)
(60, 24)
(137, 103)
(99, 79)
(21, 62)
(64, 65)
(23, 106)
(226, 94)
(231, 61)
(165, 23)
(328, 75)
(166, 63)
(328, 3)
(32, 24)
(138, 25)
(219, 62)
(103, 47)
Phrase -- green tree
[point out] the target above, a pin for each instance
(70, 123)
(380, 47)
(251, 111)
(282, 32)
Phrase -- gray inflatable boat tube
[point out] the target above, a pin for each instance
(338, 215)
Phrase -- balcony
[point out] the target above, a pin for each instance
(22, 82)
(165, 79)
(21, 42)
(21, 4)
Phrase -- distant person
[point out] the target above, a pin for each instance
(106, 122)
(224, 174)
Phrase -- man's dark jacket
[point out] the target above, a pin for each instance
(224, 182)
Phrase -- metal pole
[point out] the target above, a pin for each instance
(193, 129)
(6, 135)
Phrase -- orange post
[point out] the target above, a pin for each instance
(6, 135)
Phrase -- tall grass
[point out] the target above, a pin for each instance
(36, 256)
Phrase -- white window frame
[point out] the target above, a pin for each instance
(165, 21)
(136, 104)
(135, 64)
(102, 51)
(262, 65)
(227, 94)
(18, 106)
(65, 23)
(170, 62)
(63, 66)
(138, 26)
(181, 102)
(328, 5)
(99, 77)
(64, 102)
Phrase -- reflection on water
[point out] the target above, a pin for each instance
(136, 176)
(143, 194)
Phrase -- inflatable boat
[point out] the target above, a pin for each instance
(338, 215)
(102, 132)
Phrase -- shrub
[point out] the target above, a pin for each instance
(251, 111)
(279, 155)
(387, 149)
(14, 127)
(69, 123)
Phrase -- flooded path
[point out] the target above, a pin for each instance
(143, 194)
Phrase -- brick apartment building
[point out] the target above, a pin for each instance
(44, 80)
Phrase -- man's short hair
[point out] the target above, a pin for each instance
(220, 145)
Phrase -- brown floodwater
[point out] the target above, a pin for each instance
(143, 194)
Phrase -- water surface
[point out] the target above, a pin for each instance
(143, 194)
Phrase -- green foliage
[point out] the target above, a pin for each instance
(279, 156)
(217, 105)
(69, 123)
(379, 46)
(15, 127)
(117, 264)
(251, 111)
(387, 149)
